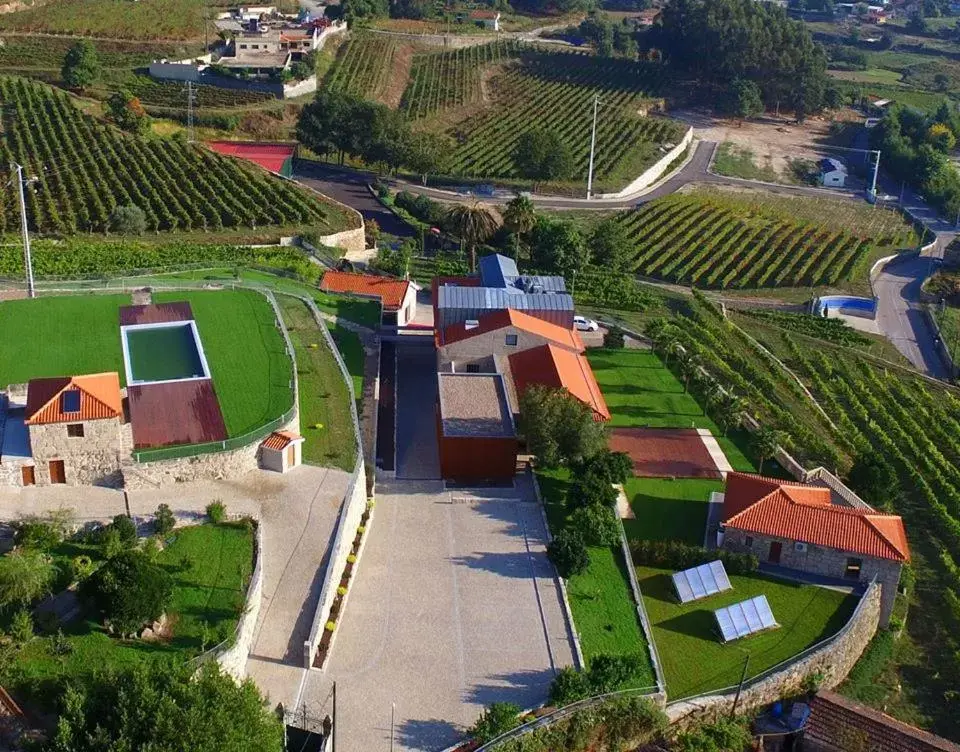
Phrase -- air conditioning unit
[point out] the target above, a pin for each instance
(800, 547)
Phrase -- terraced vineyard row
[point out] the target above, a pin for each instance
(439, 80)
(556, 91)
(85, 170)
(363, 65)
(48, 52)
(170, 94)
(695, 240)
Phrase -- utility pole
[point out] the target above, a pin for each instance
(743, 678)
(24, 229)
(191, 99)
(593, 145)
(873, 183)
(393, 712)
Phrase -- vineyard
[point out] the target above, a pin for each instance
(714, 240)
(363, 65)
(153, 20)
(154, 93)
(86, 169)
(48, 52)
(440, 80)
(556, 91)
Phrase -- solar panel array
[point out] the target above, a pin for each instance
(699, 582)
(745, 618)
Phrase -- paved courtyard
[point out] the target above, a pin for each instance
(417, 454)
(456, 606)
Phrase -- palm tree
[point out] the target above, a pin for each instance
(473, 224)
(519, 217)
(689, 367)
(766, 442)
(732, 410)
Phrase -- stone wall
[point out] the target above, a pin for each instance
(91, 459)
(829, 663)
(233, 660)
(822, 560)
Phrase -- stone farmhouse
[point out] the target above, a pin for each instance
(813, 529)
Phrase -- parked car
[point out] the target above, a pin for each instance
(583, 324)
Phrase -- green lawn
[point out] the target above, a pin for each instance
(67, 335)
(351, 350)
(604, 613)
(324, 398)
(669, 509)
(642, 392)
(207, 601)
(248, 360)
(695, 661)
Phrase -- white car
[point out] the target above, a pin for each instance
(583, 324)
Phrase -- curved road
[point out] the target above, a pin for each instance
(896, 286)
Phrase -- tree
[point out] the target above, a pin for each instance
(519, 218)
(941, 138)
(473, 224)
(81, 66)
(833, 98)
(598, 524)
(496, 719)
(745, 99)
(25, 576)
(127, 113)
(128, 220)
(557, 247)
(731, 411)
(558, 427)
(357, 10)
(568, 686)
(129, 591)
(874, 479)
(609, 673)
(765, 443)
(568, 553)
(21, 627)
(164, 708)
(541, 154)
(163, 520)
(426, 153)
(723, 735)
(610, 245)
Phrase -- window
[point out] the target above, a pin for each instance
(749, 541)
(511, 340)
(70, 401)
(800, 547)
(853, 569)
(75, 430)
(473, 368)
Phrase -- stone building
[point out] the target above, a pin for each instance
(75, 426)
(812, 529)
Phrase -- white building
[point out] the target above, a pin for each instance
(833, 173)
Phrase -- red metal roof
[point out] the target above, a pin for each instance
(155, 313)
(519, 320)
(801, 512)
(559, 368)
(835, 719)
(177, 412)
(390, 291)
(99, 398)
(268, 156)
(280, 440)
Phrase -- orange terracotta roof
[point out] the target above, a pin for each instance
(568, 338)
(280, 440)
(390, 291)
(99, 398)
(557, 367)
(801, 512)
(486, 14)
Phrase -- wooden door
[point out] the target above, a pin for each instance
(57, 472)
(291, 455)
(28, 475)
(776, 549)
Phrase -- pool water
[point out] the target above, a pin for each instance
(163, 353)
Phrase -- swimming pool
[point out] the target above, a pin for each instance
(156, 353)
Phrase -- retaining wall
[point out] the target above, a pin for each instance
(827, 663)
(233, 660)
(942, 347)
(653, 173)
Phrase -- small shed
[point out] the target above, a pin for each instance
(488, 19)
(281, 451)
(833, 173)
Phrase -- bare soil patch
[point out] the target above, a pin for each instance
(399, 76)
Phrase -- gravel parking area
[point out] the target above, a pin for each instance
(456, 606)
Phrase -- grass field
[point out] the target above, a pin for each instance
(740, 162)
(324, 398)
(669, 509)
(81, 334)
(208, 598)
(604, 614)
(949, 322)
(695, 661)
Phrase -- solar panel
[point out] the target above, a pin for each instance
(745, 618)
(699, 582)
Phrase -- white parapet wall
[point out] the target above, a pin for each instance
(233, 659)
(653, 173)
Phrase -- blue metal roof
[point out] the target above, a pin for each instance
(495, 269)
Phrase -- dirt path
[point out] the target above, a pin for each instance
(399, 76)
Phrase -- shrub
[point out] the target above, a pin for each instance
(613, 339)
(598, 525)
(128, 220)
(568, 686)
(614, 467)
(568, 553)
(129, 590)
(676, 555)
(609, 673)
(495, 720)
(21, 627)
(592, 489)
(37, 534)
(163, 520)
(330, 626)
(125, 527)
(25, 576)
(341, 591)
(111, 544)
(81, 567)
(216, 511)
(724, 735)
